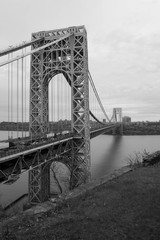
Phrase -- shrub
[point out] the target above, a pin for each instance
(136, 160)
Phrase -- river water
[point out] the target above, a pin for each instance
(108, 153)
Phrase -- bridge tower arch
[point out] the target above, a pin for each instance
(68, 56)
(117, 115)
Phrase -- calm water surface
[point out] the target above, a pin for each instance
(107, 153)
(110, 152)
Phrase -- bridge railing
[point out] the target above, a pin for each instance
(35, 144)
(41, 142)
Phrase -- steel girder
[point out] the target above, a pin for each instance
(69, 57)
(39, 176)
(39, 183)
(27, 160)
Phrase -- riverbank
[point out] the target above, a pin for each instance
(126, 207)
(139, 128)
(143, 128)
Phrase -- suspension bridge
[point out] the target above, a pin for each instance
(52, 107)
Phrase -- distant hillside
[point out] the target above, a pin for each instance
(54, 126)
(12, 126)
(144, 128)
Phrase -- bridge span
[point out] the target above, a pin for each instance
(60, 87)
(25, 157)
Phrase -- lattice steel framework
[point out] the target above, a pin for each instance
(39, 175)
(38, 190)
(68, 56)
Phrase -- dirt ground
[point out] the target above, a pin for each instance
(127, 207)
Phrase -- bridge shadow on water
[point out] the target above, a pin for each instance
(106, 155)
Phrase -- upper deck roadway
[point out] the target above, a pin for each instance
(11, 153)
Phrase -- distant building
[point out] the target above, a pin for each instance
(126, 119)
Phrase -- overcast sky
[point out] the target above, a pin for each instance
(123, 45)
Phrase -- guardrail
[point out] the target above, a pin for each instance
(42, 142)
(34, 145)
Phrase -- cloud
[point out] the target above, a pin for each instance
(127, 71)
(123, 39)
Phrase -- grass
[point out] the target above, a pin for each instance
(124, 208)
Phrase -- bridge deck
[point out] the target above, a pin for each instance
(31, 150)
(26, 150)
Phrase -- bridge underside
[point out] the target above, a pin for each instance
(38, 160)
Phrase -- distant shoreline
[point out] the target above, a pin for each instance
(142, 128)
(129, 129)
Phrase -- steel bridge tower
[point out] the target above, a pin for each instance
(117, 117)
(68, 56)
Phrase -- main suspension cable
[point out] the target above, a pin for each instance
(33, 51)
(97, 96)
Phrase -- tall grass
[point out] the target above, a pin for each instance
(136, 159)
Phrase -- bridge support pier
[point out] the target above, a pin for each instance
(80, 168)
(118, 130)
(39, 183)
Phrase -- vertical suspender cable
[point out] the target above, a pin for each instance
(68, 93)
(64, 98)
(17, 98)
(12, 97)
(67, 96)
(25, 94)
(58, 101)
(8, 96)
(22, 96)
(61, 89)
(61, 102)
(69, 104)
(51, 99)
(90, 98)
(54, 102)
(66, 87)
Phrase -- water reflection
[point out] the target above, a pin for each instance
(107, 153)
(110, 151)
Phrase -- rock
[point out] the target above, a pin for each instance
(151, 159)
